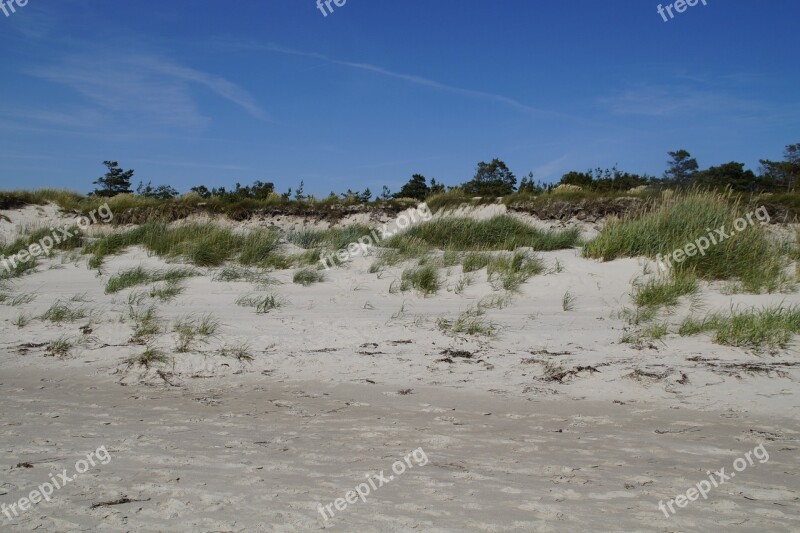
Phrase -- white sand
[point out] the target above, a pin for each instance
(215, 444)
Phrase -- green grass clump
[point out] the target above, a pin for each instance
(329, 239)
(262, 304)
(661, 292)
(70, 242)
(63, 312)
(768, 327)
(146, 321)
(206, 245)
(22, 320)
(510, 271)
(141, 276)
(308, 276)
(60, 347)
(748, 256)
(475, 261)
(236, 273)
(568, 302)
(470, 322)
(402, 250)
(239, 351)
(148, 358)
(168, 291)
(502, 232)
(190, 327)
(425, 279)
(16, 300)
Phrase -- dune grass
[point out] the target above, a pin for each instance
(308, 276)
(262, 304)
(14, 269)
(470, 322)
(146, 322)
(664, 292)
(329, 239)
(190, 327)
(205, 245)
(167, 291)
(502, 232)
(475, 261)
(749, 256)
(63, 312)
(510, 271)
(425, 279)
(142, 276)
(60, 347)
(235, 273)
(768, 327)
(148, 358)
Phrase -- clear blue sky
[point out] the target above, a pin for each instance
(191, 92)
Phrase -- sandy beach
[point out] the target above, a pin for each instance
(552, 423)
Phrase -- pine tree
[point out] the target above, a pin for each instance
(116, 181)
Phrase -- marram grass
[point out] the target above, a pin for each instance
(749, 256)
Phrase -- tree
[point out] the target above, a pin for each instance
(731, 175)
(202, 191)
(526, 184)
(365, 196)
(435, 188)
(581, 179)
(116, 181)
(491, 179)
(681, 169)
(781, 175)
(416, 188)
(298, 194)
(386, 194)
(162, 192)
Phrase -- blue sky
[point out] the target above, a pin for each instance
(191, 92)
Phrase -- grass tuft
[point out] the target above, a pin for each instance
(141, 276)
(63, 312)
(425, 279)
(757, 329)
(148, 358)
(308, 276)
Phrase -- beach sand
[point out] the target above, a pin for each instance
(551, 424)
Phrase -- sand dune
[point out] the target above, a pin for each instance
(552, 423)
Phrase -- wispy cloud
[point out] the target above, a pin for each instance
(410, 78)
(676, 100)
(220, 86)
(141, 88)
(551, 168)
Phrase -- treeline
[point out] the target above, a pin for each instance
(494, 179)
